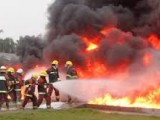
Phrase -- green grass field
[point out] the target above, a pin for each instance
(72, 114)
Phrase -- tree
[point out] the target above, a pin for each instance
(7, 45)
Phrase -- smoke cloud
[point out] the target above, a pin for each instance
(70, 20)
(29, 50)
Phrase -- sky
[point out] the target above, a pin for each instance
(23, 17)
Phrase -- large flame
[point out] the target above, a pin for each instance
(151, 98)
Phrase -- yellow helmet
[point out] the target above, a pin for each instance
(55, 62)
(43, 73)
(69, 63)
(11, 70)
(35, 75)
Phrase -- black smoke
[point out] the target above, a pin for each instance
(29, 49)
(67, 16)
(69, 20)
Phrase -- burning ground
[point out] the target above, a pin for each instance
(117, 40)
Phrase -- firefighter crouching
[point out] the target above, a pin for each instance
(19, 83)
(53, 77)
(42, 90)
(3, 87)
(11, 82)
(30, 91)
(71, 74)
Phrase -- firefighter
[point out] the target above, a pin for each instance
(42, 90)
(53, 77)
(30, 91)
(3, 87)
(71, 71)
(12, 82)
(19, 83)
(71, 74)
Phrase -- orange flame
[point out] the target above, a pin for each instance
(22, 92)
(147, 59)
(95, 69)
(151, 100)
(154, 41)
(106, 30)
(92, 46)
(99, 70)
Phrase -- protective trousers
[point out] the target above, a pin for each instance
(33, 98)
(13, 96)
(51, 88)
(4, 98)
(46, 97)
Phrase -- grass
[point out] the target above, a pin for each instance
(72, 114)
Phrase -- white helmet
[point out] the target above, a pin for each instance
(3, 68)
(20, 71)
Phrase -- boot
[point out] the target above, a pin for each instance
(21, 108)
(35, 107)
(1, 103)
(69, 99)
(48, 106)
(7, 105)
(57, 99)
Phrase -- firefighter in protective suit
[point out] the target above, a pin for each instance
(71, 74)
(3, 87)
(19, 83)
(53, 74)
(12, 83)
(42, 90)
(30, 91)
(71, 71)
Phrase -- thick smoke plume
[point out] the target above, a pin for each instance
(130, 23)
(120, 28)
(29, 50)
(69, 20)
(8, 59)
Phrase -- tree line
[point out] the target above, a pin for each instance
(21, 46)
(8, 45)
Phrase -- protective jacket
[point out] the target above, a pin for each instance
(11, 81)
(53, 74)
(71, 73)
(42, 85)
(18, 82)
(29, 87)
(3, 83)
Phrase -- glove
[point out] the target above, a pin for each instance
(29, 89)
(46, 86)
